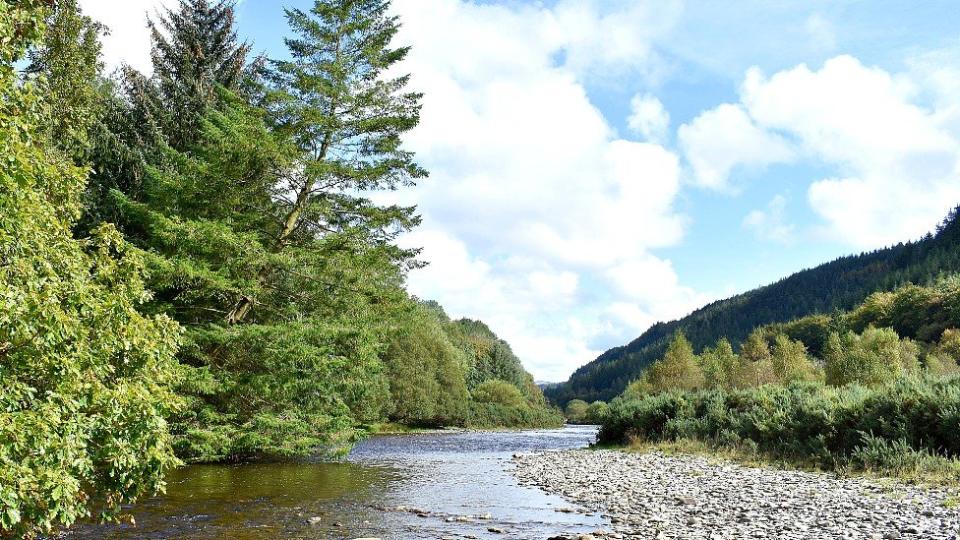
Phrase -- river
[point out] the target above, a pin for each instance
(436, 485)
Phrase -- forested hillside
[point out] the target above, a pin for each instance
(191, 269)
(837, 285)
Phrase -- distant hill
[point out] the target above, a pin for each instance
(840, 284)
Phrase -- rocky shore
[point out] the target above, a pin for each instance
(657, 496)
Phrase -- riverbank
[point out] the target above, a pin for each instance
(656, 496)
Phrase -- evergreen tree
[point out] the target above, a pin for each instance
(85, 378)
(194, 52)
(334, 101)
(302, 370)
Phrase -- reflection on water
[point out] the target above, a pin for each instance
(437, 478)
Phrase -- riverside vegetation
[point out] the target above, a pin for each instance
(190, 266)
(875, 388)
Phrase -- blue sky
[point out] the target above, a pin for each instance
(601, 165)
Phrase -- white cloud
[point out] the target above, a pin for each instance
(721, 139)
(129, 39)
(896, 163)
(532, 197)
(770, 224)
(897, 167)
(648, 118)
(611, 36)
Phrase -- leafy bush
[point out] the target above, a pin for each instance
(498, 392)
(576, 411)
(874, 357)
(85, 378)
(804, 420)
(495, 415)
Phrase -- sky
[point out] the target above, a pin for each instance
(601, 165)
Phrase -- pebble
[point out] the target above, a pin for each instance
(650, 496)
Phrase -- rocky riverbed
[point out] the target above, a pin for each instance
(694, 498)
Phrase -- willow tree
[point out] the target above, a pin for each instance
(84, 376)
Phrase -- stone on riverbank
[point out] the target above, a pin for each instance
(658, 496)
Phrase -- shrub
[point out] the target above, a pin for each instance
(597, 412)
(852, 425)
(576, 411)
(874, 357)
(499, 392)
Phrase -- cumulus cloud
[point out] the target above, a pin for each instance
(530, 189)
(611, 35)
(648, 118)
(896, 163)
(128, 41)
(771, 223)
(721, 139)
(897, 166)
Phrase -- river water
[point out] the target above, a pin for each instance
(436, 485)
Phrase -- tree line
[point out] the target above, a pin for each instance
(835, 286)
(193, 268)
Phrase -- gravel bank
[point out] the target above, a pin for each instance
(660, 497)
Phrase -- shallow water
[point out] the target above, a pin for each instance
(440, 475)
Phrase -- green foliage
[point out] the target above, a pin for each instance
(579, 412)
(276, 391)
(719, 365)
(838, 285)
(597, 413)
(791, 362)
(498, 392)
(576, 411)
(886, 426)
(500, 403)
(812, 330)
(678, 369)
(85, 378)
(426, 372)
(876, 356)
(194, 52)
(69, 59)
